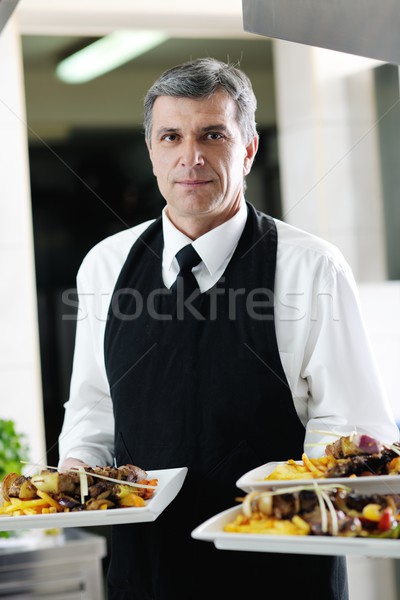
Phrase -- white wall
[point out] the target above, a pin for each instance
(328, 152)
(381, 307)
(371, 578)
(20, 382)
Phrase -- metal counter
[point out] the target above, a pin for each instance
(65, 566)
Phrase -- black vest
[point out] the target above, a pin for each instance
(201, 386)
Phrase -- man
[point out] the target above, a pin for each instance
(221, 364)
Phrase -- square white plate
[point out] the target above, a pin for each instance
(170, 482)
(212, 531)
(375, 484)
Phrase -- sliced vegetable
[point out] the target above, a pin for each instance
(99, 504)
(131, 500)
(83, 483)
(47, 481)
(387, 520)
(372, 512)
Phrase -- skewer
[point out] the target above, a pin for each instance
(336, 435)
(290, 489)
(76, 471)
(331, 433)
(316, 444)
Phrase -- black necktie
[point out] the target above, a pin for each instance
(186, 282)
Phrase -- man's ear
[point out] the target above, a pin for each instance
(148, 144)
(251, 151)
(148, 147)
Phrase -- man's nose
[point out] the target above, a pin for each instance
(191, 154)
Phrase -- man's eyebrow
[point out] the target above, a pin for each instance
(164, 130)
(216, 127)
(207, 129)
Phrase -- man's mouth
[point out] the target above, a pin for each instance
(193, 183)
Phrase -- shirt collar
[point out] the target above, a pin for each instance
(214, 247)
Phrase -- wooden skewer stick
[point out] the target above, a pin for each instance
(336, 435)
(315, 444)
(76, 472)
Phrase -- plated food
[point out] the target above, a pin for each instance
(317, 509)
(355, 455)
(42, 515)
(345, 502)
(356, 460)
(213, 531)
(75, 490)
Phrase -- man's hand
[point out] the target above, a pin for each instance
(72, 463)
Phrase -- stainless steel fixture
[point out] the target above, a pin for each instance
(64, 566)
(363, 27)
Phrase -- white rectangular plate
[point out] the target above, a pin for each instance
(170, 482)
(212, 531)
(375, 484)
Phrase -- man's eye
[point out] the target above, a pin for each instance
(170, 137)
(214, 136)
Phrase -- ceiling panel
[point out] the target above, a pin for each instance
(46, 51)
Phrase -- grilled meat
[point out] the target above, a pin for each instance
(365, 465)
(125, 472)
(362, 455)
(67, 484)
(348, 526)
(354, 445)
(348, 518)
(18, 486)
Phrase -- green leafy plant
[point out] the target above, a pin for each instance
(13, 449)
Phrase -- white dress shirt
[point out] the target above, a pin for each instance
(322, 340)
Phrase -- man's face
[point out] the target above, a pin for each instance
(199, 156)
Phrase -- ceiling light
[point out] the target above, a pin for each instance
(106, 54)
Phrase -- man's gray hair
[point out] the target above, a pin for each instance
(201, 78)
